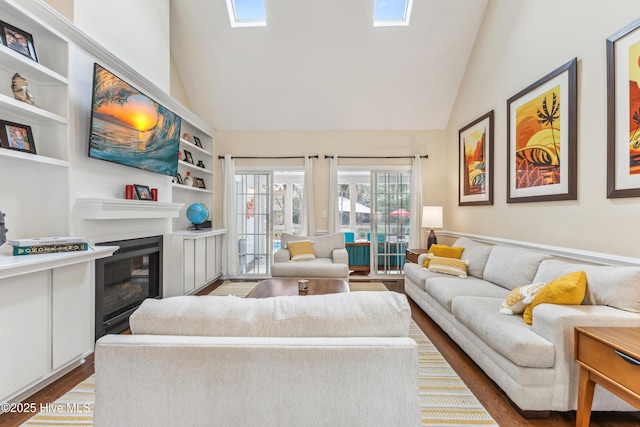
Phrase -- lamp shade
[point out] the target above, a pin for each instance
(432, 216)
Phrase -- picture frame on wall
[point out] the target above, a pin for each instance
(18, 40)
(15, 136)
(475, 163)
(143, 192)
(623, 112)
(542, 138)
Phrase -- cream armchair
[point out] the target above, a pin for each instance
(332, 259)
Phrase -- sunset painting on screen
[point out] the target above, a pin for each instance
(538, 141)
(129, 128)
(634, 109)
(475, 162)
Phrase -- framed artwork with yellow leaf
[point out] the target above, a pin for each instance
(475, 180)
(623, 112)
(542, 138)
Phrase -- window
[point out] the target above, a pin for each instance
(247, 13)
(388, 13)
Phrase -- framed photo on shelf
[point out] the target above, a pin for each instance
(143, 192)
(542, 139)
(188, 157)
(623, 112)
(196, 141)
(199, 183)
(18, 40)
(475, 181)
(15, 136)
(179, 178)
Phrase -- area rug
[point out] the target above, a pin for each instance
(75, 408)
(444, 397)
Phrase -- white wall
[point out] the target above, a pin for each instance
(520, 42)
(137, 32)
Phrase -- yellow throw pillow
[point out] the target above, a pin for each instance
(568, 290)
(443, 251)
(519, 298)
(453, 266)
(301, 250)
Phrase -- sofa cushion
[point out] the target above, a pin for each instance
(301, 250)
(519, 298)
(357, 314)
(507, 335)
(445, 288)
(319, 267)
(606, 285)
(442, 251)
(322, 245)
(512, 267)
(567, 290)
(452, 266)
(476, 253)
(418, 275)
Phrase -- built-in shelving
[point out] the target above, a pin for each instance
(188, 194)
(39, 182)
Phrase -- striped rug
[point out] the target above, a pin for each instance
(446, 400)
(73, 409)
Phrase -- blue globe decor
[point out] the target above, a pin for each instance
(197, 213)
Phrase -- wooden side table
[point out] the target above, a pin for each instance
(412, 254)
(609, 357)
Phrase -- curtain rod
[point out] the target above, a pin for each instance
(426, 156)
(271, 157)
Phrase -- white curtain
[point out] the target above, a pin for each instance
(230, 259)
(415, 231)
(334, 211)
(308, 205)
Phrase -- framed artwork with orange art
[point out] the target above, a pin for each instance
(475, 179)
(623, 112)
(542, 138)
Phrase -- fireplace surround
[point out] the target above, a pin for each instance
(132, 274)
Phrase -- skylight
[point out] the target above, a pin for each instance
(246, 13)
(389, 13)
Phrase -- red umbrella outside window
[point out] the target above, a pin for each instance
(400, 212)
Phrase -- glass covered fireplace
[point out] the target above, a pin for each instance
(124, 280)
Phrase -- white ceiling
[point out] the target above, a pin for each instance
(320, 64)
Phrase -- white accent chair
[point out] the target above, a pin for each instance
(332, 259)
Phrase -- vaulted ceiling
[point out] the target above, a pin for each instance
(320, 64)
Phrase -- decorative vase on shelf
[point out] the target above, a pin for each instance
(188, 180)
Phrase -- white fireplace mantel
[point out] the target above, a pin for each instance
(127, 209)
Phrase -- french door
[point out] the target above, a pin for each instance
(391, 216)
(253, 209)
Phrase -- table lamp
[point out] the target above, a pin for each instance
(431, 218)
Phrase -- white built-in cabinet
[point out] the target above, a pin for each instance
(46, 301)
(200, 263)
(46, 316)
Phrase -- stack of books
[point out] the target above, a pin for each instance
(48, 245)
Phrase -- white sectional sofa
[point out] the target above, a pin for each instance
(533, 364)
(327, 360)
(332, 259)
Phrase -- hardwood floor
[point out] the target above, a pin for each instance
(482, 386)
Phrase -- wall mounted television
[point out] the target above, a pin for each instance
(129, 128)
